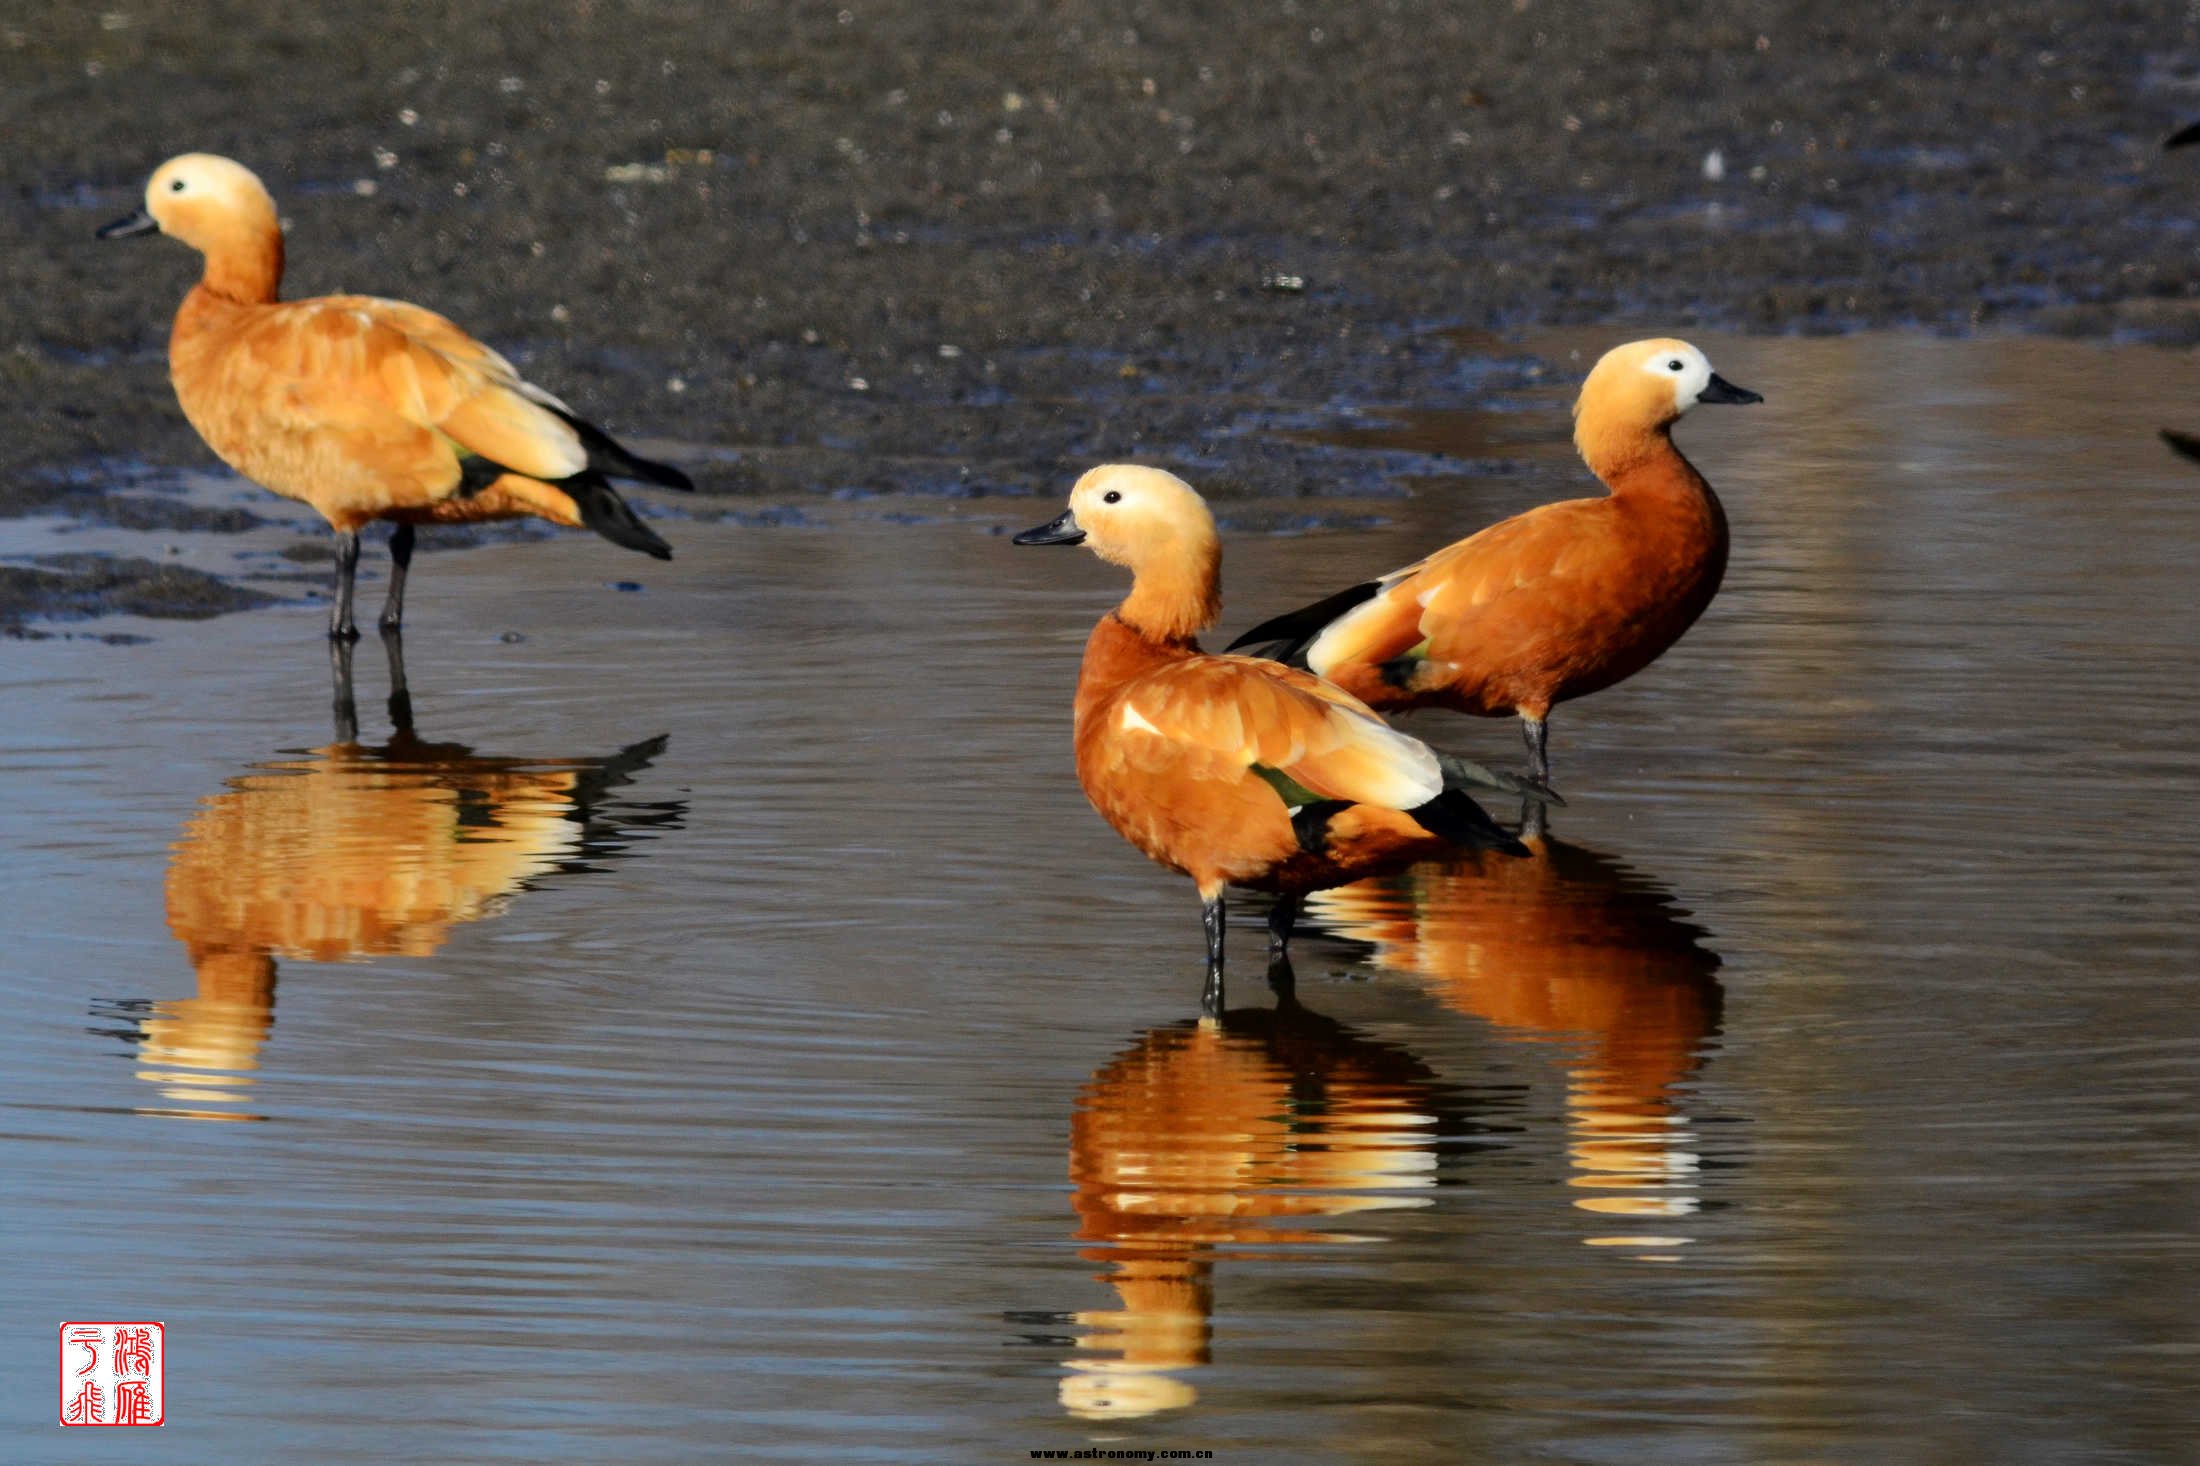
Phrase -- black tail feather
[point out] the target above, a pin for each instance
(603, 511)
(1454, 817)
(1296, 630)
(608, 457)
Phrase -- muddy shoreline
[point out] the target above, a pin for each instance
(897, 249)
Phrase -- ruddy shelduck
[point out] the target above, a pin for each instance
(1233, 769)
(1556, 603)
(365, 409)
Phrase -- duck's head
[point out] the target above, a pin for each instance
(1127, 514)
(1157, 526)
(1646, 385)
(203, 200)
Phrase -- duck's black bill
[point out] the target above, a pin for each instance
(136, 224)
(1721, 390)
(1060, 531)
(2182, 136)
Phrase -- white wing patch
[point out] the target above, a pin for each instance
(1323, 651)
(1130, 718)
(1409, 775)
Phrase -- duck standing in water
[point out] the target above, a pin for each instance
(1234, 770)
(363, 408)
(1556, 603)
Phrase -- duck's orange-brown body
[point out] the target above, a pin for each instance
(1562, 601)
(1167, 740)
(362, 408)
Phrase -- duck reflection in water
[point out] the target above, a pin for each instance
(350, 852)
(1202, 1141)
(1570, 945)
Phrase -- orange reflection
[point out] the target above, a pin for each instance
(1570, 945)
(1185, 1147)
(346, 853)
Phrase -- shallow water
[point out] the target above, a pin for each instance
(825, 1082)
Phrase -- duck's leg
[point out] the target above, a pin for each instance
(1537, 732)
(401, 702)
(344, 711)
(1281, 918)
(340, 627)
(1210, 997)
(401, 558)
(1534, 819)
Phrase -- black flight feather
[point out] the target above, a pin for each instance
(476, 473)
(1296, 630)
(608, 457)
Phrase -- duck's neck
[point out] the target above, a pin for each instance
(1116, 653)
(245, 267)
(1177, 593)
(1640, 463)
(1159, 622)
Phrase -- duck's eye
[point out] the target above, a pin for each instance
(1112, 496)
(176, 187)
(1674, 365)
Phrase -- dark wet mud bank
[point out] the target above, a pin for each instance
(77, 587)
(905, 249)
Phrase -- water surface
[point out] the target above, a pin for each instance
(711, 1024)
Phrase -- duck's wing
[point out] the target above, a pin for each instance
(427, 371)
(301, 389)
(1442, 598)
(600, 451)
(384, 372)
(1250, 715)
(1532, 571)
